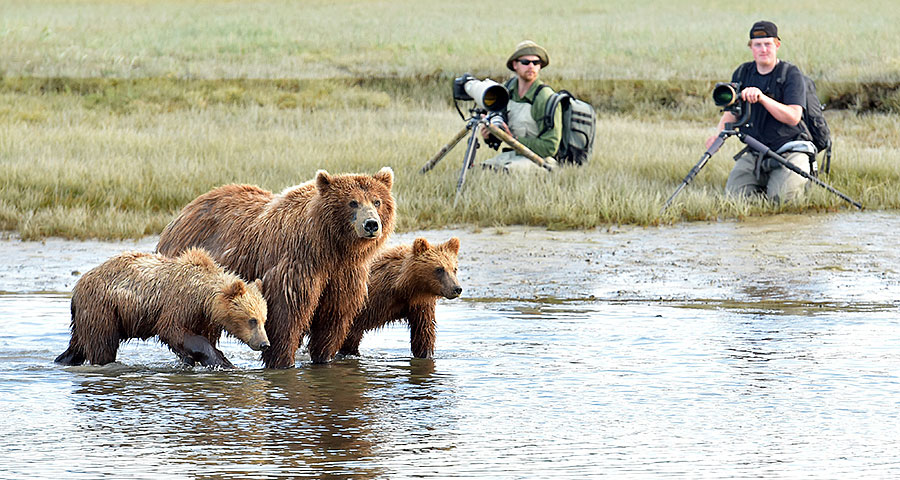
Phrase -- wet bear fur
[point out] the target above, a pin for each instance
(404, 284)
(186, 302)
(310, 244)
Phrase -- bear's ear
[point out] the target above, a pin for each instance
(452, 245)
(385, 176)
(258, 283)
(323, 180)
(234, 290)
(420, 246)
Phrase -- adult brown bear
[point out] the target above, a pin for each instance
(186, 302)
(311, 245)
(404, 284)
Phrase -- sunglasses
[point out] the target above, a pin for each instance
(527, 62)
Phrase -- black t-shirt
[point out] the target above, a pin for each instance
(763, 126)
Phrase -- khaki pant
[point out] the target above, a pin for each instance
(779, 184)
(511, 162)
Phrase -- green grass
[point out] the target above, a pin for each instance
(643, 39)
(96, 162)
(113, 115)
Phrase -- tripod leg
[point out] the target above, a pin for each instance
(444, 150)
(517, 146)
(468, 160)
(699, 166)
(760, 147)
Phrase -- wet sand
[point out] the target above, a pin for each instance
(821, 259)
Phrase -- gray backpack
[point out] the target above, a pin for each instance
(579, 122)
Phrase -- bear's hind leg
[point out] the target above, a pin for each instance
(98, 334)
(351, 343)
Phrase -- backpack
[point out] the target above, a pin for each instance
(813, 120)
(578, 125)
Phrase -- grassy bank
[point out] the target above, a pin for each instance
(114, 159)
(114, 114)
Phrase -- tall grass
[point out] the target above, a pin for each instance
(642, 39)
(114, 114)
(98, 164)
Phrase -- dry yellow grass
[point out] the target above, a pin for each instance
(113, 115)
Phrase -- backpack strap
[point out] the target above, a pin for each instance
(509, 84)
(743, 71)
(550, 109)
(781, 71)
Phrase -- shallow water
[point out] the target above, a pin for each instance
(686, 351)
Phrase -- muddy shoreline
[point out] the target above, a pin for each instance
(812, 260)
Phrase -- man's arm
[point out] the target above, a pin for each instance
(786, 114)
(547, 144)
(727, 117)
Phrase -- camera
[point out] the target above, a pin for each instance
(727, 96)
(487, 94)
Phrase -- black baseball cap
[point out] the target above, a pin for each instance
(763, 29)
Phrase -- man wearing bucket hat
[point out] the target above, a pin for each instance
(777, 95)
(528, 97)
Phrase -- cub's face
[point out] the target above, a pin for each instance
(364, 201)
(243, 313)
(436, 266)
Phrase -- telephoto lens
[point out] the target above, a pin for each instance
(726, 94)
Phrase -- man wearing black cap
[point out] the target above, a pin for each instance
(525, 112)
(776, 109)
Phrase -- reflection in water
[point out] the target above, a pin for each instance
(314, 421)
(516, 390)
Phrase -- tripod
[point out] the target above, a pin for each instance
(478, 117)
(758, 147)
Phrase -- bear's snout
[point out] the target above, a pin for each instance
(452, 292)
(371, 227)
(259, 341)
(261, 346)
(366, 222)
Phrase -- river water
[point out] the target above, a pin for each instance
(768, 348)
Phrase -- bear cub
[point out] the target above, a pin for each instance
(185, 301)
(405, 283)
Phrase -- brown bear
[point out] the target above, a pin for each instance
(405, 283)
(310, 244)
(185, 301)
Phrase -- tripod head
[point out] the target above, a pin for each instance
(742, 122)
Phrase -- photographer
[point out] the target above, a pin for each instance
(525, 112)
(776, 109)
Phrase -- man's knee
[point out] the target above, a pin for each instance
(786, 185)
(742, 181)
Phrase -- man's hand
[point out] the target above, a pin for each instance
(752, 94)
(503, 126)
(787, 114)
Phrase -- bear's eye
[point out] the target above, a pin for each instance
(377, 203)
(252, 322)
(439, 271)
(354, 204)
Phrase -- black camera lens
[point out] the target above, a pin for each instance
(725, 94)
